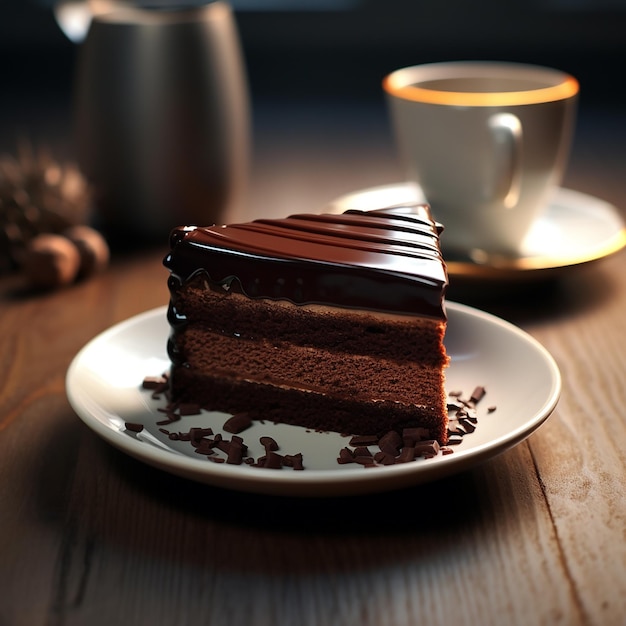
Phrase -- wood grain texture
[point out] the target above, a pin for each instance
(90, 536)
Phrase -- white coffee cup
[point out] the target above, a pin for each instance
(487, 142)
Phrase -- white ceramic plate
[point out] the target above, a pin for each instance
(104, 388)
(574, 229)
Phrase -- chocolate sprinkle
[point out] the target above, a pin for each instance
(391, 442)
(363, 440)
(154, 382)
(238, 423)
(269, 444)
(477, 394)
(294, 461)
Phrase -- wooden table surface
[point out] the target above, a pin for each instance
(537, 535)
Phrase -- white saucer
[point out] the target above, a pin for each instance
(104, 388)
(575, 229)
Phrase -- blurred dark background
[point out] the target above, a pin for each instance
(313, 46)
(315, 69)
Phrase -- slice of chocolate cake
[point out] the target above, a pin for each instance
(331, 322)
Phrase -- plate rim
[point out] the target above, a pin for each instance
(319, 482)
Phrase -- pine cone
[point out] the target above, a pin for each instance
(37, 195)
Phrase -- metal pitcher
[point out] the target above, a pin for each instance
(162, 118)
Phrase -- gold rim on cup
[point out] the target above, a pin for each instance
(399, 85)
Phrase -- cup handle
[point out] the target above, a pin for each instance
(506, 130)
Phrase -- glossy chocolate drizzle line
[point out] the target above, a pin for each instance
(385, 260)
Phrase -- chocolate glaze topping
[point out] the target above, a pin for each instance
(384, 260)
